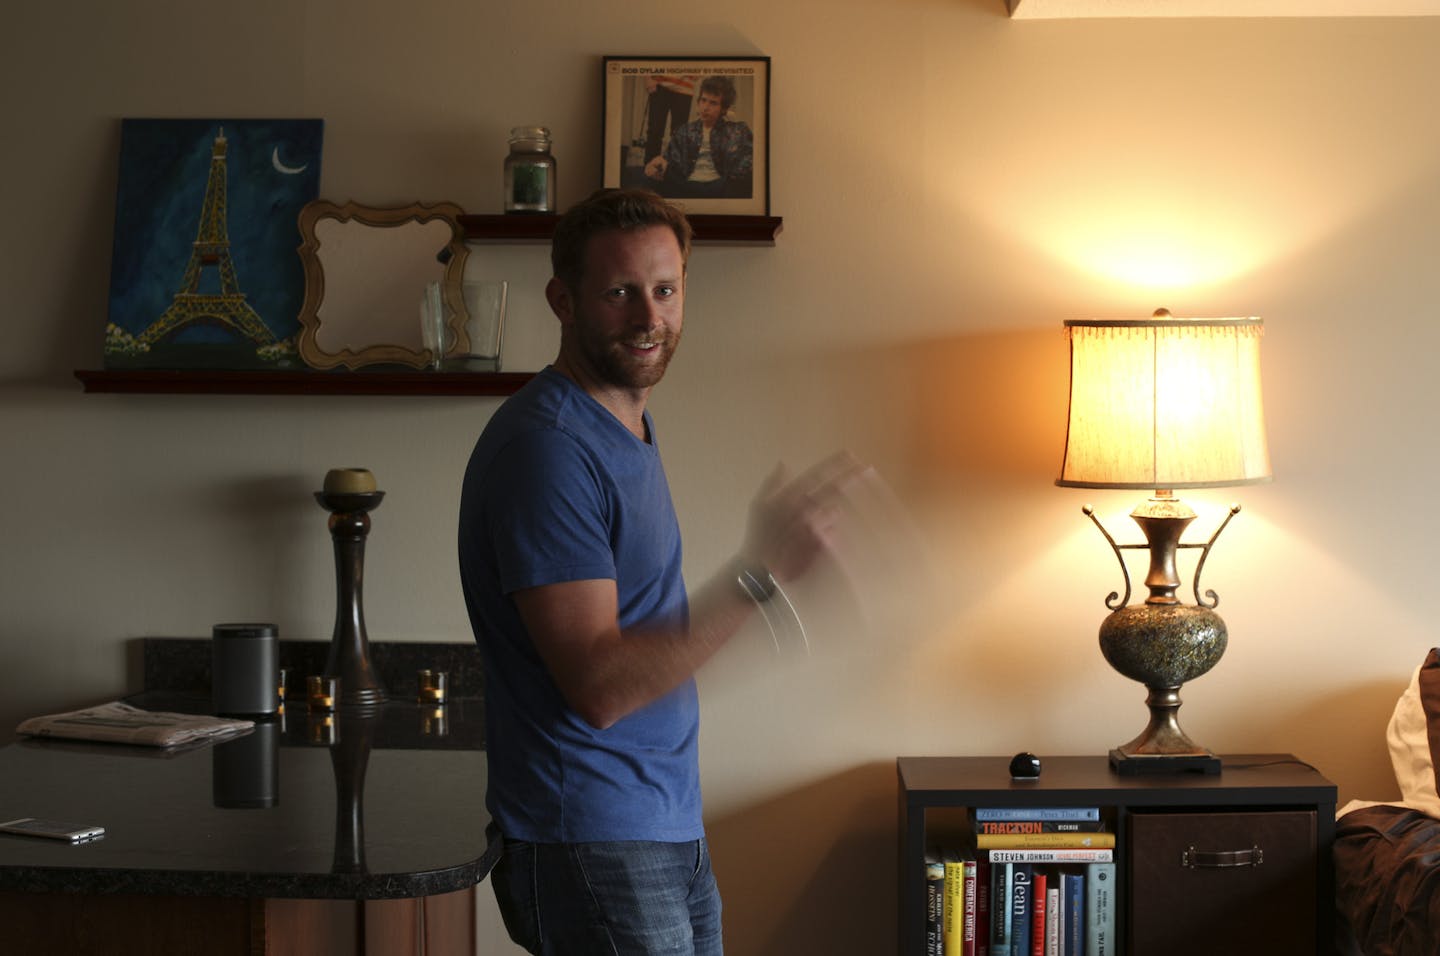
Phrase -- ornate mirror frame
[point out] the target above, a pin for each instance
(366, 269)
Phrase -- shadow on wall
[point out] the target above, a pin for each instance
(812, 870)
(969, 429)
(1343, 734)
(992, 408)
(984, 410)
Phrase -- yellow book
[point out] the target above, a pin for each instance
(954, 902)
(1016, 841)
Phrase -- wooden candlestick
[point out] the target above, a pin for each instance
(349, 657)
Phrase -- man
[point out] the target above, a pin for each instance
(570, 561)
(711, 157)
(669, 101)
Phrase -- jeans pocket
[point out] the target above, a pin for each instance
(513, 881)
(702, 860)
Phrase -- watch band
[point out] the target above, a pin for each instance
(756, 581)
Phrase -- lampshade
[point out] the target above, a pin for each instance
(1165, 403)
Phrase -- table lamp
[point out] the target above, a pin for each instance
(1161, 404)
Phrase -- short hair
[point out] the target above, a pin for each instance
(718, 84)
(611, 210)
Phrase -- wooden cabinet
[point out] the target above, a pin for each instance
(1235, 863)
(65, 924)
(1223, 881)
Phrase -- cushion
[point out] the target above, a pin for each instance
(1414, 738)
(1387, 883)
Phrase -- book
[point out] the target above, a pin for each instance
(1100, 910)
(1052, 917)
(953, 911)
(982, 909)
(1053, 855)
(934, 902)
(967, 926)
(984, 814)
(1072, 934)
(1061, 914)
(1018, 841)
(1022, 905)
(1039, 886)
(1038, 826)
(1000, 908)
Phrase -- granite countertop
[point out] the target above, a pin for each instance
(356, 806)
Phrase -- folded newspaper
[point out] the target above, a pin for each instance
(120, 723)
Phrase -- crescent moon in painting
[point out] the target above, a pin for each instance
(282, 168)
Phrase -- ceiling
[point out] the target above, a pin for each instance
(1067, 9)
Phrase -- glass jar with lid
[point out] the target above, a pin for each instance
(530, 171)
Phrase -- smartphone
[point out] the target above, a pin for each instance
(55, 830)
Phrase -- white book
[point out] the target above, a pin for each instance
(1056, 855)
(1052, 921)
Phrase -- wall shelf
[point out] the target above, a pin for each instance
(476, 228)
(522, 227)
(230, 382)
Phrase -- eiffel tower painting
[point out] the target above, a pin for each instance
(228, 308)
(202, 205)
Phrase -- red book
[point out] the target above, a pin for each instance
(1038, 909)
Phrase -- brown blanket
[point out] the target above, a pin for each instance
(1387, 882)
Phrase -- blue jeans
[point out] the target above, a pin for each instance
(579, 899)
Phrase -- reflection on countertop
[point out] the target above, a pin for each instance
(348, 805)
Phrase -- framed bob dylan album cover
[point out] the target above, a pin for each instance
(205, 272)
(696, 130)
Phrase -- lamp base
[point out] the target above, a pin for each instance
(1132, 765)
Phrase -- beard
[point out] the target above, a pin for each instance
(609, 355)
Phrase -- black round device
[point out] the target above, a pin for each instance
(1024, 766)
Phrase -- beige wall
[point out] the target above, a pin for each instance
(954, 186)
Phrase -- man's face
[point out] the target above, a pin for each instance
(710, 108)
(625, 319)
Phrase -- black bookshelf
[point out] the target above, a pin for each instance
(933, 792)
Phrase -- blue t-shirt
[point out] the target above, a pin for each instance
(557, 490)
